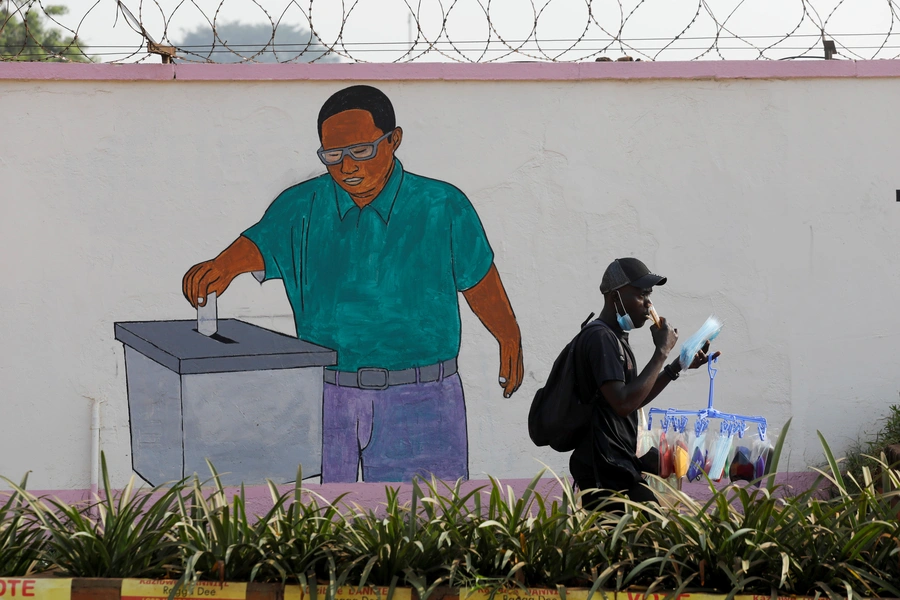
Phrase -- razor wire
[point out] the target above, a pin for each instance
(465, 31)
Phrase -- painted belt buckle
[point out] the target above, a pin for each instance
(372, 378)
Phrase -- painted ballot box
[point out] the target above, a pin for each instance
(247, 398)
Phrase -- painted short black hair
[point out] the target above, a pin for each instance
(360, 97)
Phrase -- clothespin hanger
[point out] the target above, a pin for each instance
(712, 378)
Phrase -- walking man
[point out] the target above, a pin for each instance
(606, 372)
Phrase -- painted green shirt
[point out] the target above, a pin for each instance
(379, 284)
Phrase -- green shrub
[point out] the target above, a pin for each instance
(125, 535)
(21, 538)
(744, 539)
(866, 452)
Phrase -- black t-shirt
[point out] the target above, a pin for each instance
(607, 456)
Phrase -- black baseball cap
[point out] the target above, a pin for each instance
(629, 271)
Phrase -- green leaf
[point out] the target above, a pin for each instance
(833, 464)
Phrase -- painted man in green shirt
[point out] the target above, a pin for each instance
(373, 258)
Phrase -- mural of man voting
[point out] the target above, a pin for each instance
(373, 258)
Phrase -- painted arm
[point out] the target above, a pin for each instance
(215, 275)
(489, 302)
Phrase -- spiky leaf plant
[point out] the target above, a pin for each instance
(21, 538)
(220, 542)
(118, 535)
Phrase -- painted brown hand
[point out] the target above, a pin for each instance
(203, 278)
(216, 275)
(489, 302)
(512, 368)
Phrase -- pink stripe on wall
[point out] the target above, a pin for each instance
(533, 71)
(85, 72)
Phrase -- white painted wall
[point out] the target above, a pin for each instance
(768, 202)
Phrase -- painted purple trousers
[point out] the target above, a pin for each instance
(395, 433)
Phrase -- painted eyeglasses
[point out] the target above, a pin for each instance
(366, 151)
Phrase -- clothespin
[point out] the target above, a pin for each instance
(701, 425)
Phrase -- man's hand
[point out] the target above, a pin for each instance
(664, 337)
(203, 278)
(512, 368)
(702, 357)
(242, 256)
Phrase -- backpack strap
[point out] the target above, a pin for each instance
(588, 321)
(597, 322)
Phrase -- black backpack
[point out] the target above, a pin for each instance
(558, 417)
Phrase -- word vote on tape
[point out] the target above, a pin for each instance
(39, 589)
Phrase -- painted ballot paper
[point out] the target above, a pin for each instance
(348, 592)
(40, 589)
(151, 589)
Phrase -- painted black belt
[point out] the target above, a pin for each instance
(373, 378)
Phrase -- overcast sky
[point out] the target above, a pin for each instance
(380, 30)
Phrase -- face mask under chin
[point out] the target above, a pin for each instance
(624, 321)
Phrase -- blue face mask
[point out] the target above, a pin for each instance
(624, 321)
